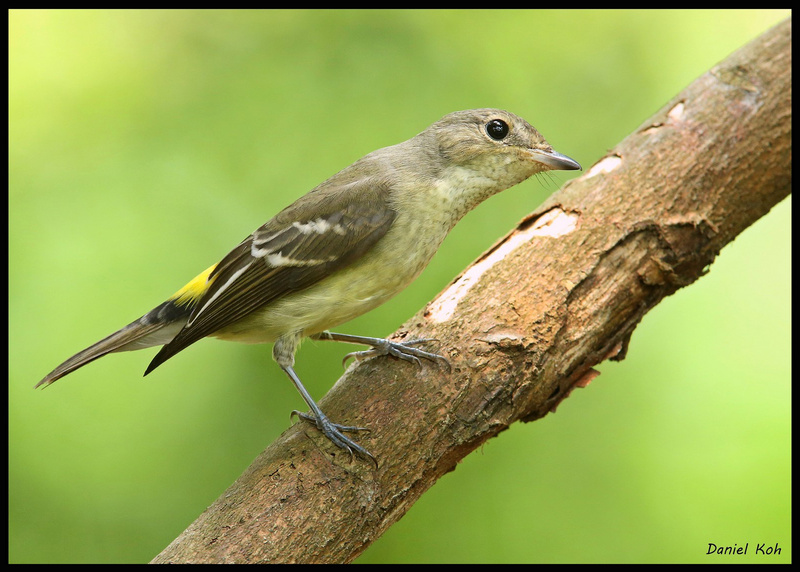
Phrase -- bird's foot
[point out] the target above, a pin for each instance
(401, 350)
(335, 433)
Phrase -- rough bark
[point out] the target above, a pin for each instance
(526, 322)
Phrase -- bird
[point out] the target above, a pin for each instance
(347, 246)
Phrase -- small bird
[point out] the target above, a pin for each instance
(344, 248)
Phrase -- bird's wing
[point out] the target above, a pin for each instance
(299, 247)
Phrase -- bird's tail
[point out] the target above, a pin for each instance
(155, 328)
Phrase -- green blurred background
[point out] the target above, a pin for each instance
(144, 145)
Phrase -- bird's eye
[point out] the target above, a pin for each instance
(497, 129)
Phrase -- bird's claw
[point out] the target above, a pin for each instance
(335, 433)
(401, 350)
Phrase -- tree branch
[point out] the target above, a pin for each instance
(526, 322)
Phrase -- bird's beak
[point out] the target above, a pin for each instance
(554, 160)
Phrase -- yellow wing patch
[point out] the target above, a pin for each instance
(196, 287)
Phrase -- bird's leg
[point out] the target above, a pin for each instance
(283, 352)
(331, 430)
(382, 347)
